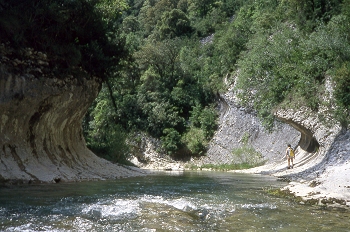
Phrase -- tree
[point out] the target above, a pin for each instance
(103, 136)
(308, 13)
(163, 57)
(111, 9)
(72, 32)
(151, 13)
(202, 7)
(173, 24)
(130, 24)
(283, 63)
(171, 141)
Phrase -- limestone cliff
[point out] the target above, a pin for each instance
(40, 123)
(322, 164)
(236, 122)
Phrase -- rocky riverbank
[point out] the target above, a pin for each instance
(321, 176)
(316, 178)
(321, 172)
(322, 167)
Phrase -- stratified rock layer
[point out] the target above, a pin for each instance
(238, 123)
(40, 125)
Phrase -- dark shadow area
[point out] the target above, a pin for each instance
(307, 141)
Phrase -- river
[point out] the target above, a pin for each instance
(163, 201)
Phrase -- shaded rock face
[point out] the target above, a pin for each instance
(317, 134)
(40, 129)
(307, 140)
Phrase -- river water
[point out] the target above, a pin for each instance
(163, 201)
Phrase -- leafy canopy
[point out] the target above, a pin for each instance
(277, 53)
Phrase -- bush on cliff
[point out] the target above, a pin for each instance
(281, 51)
(291, 58)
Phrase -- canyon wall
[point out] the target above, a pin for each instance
(236, 124)
(40, 123)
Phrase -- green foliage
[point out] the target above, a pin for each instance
(195, 141)
(163, 58)
(308, 14)
(267, 70)
(202, 7)
(177, 53)
(159, 101)
(112, 145)
(342, 93)
(108, 140)
(171, 141)
(161, 115)
(111, 9)
(205, 119)
(151, 13)
(173, 24)
(229, 7)
(286, 63)
(72, 33)
(130, 24)
(228, 44)
(202, 127)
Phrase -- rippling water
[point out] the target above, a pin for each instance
(163, 201)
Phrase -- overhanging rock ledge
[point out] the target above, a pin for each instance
(40, 125)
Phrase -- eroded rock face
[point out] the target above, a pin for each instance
(40, 126)
(318, 138)
(237, 122)
(323, 173)
(316, 134)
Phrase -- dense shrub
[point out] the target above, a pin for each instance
(342, 93)
(72, 33)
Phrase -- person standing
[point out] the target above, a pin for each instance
(290, 156)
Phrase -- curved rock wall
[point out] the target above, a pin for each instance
(320, 133)
(317, 133)
(40, 126)
(324, 173)
(318, 137)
